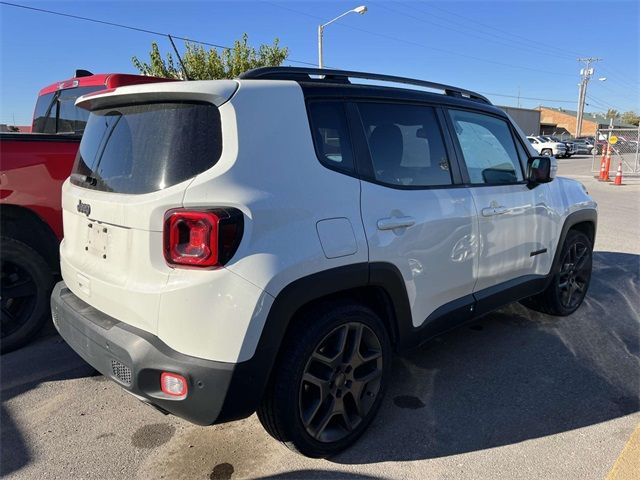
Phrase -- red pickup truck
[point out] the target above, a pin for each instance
(33, 167)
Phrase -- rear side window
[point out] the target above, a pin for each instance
(406, 145)
(488, 148)
(148, 147)
(331, 134)
(44, 117)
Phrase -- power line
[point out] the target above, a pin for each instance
(492, 36)
(622, 77)
(428, 47)
(528, 98)
(475, 23)
(129, 27)
(614, 77)
(602, 103)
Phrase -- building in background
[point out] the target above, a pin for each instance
(561, 122)
(528, 120)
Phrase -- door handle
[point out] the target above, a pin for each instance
(497, 210)
(392, 223)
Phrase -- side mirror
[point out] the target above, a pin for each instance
(539, 170)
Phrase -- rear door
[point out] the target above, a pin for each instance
(513, 218)
(416, 214)
(134, 163)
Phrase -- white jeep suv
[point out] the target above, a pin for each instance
(268, 243)
(545, 147)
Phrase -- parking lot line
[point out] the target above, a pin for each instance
(627, 465)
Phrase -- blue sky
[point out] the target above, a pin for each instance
(495, 47)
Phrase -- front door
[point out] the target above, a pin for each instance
(512, 216)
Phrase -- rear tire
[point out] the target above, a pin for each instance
(570, 283)
(329, 380)
(546, 152)
(26, 286)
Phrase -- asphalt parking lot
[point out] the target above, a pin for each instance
(515, 395)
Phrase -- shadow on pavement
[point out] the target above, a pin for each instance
(46, 360)
(512, 376)
(318, 474)
(515, 375)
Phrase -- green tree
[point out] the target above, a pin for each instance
(630, 117)
(612, 113)
(202, 64)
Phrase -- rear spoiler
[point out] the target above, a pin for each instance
(211, 91)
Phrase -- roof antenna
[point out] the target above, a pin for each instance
(184, 70)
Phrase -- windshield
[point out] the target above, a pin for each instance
(148, 147)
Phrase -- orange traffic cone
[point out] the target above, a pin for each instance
(603, 162)
(607, 166)
(618, 180)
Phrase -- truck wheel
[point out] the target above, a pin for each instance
(329, 380)
(547, 152)
(570, 283)
(25, 289)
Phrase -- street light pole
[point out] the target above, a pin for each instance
(320, 33)
(361, 10)
(585, 76)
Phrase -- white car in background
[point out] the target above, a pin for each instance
(545, 147)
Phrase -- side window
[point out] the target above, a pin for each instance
(406, 144)
(331, 134)
(522, 153)
(488, 148)
(44, 116)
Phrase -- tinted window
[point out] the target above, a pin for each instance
(144, 148)
(522, 153)
(406, 144)
(72, 119)
(331, 134)
(488, 148)
(56, 112)
(44, 119)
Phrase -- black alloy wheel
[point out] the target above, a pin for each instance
(18, 297)
(568, 286)
(329, 380)
(340, 382)
(574, 276)
(26, 281)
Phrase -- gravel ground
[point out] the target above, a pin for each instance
(515, 395)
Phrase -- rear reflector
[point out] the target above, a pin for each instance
(173, 384)
(201, 238)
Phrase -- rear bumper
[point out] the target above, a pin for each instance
(133, 358)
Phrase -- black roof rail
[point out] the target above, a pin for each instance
(302, 74)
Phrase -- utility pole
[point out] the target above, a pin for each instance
(585, 76)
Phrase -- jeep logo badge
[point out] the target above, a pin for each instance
(84, 208)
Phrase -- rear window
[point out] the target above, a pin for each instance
(56, 112)
(143, 148)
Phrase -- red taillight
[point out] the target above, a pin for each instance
(201, 238)
(173, 384)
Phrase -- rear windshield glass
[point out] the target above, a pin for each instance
(148, 147)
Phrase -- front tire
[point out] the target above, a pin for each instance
(329, 380)
(25, 289)
(570, 283)
(547, 152)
